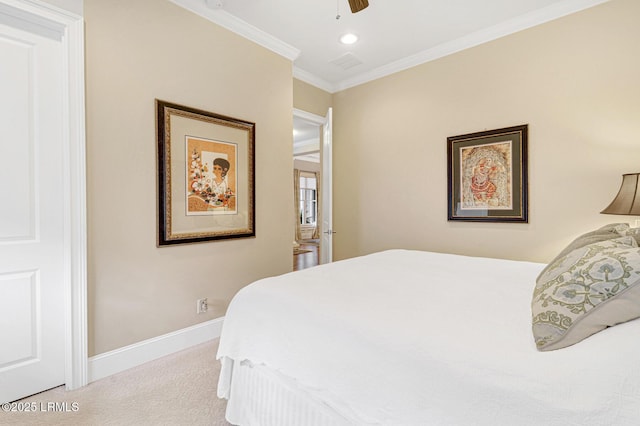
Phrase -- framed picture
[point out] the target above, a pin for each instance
(487, 176)
(205, 175)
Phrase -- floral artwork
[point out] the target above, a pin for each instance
(211, 177)
(486, 176)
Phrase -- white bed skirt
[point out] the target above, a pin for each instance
(259, 396)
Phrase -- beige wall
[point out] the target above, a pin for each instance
(573, 80)
(137, 51)
(309, 98)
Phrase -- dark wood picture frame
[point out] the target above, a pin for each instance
(206, 181)
(488, 176)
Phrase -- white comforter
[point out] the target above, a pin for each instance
(417, 338)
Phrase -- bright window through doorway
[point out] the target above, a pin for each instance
(308, 199)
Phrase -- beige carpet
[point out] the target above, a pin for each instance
(179, 389)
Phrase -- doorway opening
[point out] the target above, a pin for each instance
(322, 127)
(307, 174)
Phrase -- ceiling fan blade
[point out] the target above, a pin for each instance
(358, 5)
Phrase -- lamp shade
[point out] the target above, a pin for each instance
(628, 199)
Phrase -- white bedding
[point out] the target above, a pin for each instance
(418, 338)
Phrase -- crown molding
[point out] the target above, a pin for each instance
(313, 80)
(306, 146)
(532, 19)
(240, 27)
(511, 26)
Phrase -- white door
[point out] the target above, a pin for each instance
(32, 209)
(326, 189)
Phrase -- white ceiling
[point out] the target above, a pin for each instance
(393, 34)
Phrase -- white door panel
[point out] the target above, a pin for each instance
(16, 173)
(17, 306)
(326, 239)
(32, 271)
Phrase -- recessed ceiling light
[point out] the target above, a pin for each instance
(348, 38)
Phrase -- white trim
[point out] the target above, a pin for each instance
(313, 80)
(306, 146)
(326, 190)
(309, 146)
(538, 17)
(76, 369)
(519, 23)
(240, 27)
(313, 118)
(108, 363)
(303, 150)
(75, 286)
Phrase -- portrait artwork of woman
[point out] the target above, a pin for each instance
(219, 182)
(211, 180)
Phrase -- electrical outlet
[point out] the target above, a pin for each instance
(202, 306)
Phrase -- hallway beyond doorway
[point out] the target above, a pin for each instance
(307, 257)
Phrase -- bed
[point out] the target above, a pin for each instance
(405, 337)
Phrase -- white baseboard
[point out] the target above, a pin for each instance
(112, 362)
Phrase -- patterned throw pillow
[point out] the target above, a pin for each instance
(635, 233)
(607, 232)
(585, 291)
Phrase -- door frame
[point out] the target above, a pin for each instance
(321, 121)
(326, 190)
(29, 15)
